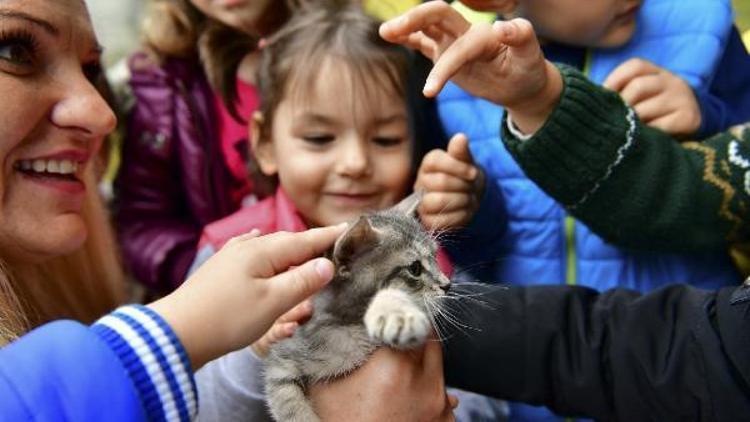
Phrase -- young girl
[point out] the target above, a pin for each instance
(184, 161)
(339, 131)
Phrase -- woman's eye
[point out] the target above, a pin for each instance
(16, 53)
(385, 141)
(92, 71)
(415, 269)
(318, 139)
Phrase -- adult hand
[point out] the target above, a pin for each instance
(501, 62)
(660, 98)
(392, 386)
(239, 292)
(452, 186)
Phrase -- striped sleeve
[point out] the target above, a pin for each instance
(155, 360)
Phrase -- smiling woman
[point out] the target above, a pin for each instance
(54, 234)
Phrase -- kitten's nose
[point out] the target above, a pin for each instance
(446, 284)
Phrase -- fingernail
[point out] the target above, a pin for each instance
(429, 85)
(324, 268)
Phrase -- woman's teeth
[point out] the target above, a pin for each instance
(64, 167)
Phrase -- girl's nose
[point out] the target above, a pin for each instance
(354, 159)
(82, 108)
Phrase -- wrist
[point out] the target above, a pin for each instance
(531, 114)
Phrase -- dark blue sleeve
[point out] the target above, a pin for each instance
(64, 371)
(726, 102)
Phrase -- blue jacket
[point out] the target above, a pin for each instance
(539, 243)
(129, 366)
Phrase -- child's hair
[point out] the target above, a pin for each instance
(176, 28)
(291, 60)
(83, 285)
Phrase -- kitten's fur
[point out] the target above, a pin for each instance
(386, 279)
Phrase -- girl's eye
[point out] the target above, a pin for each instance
(415, 269)
(18, 52)
(385, 141)
(320, 139)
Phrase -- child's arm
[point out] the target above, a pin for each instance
(633, 185)
(660, 98)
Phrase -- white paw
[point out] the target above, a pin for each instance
(394, 320)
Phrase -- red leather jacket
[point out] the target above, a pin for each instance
(173, 179)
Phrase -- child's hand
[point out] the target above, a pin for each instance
(284, 327)
(236, 296)
(661, 99)
(501, 62)
(452, 185)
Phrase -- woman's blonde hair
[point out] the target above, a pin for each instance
(83, 285)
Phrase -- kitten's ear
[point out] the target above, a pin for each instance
(409, 205)
(358, 238)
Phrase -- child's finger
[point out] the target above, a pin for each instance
(519, 34)
(277, 252)
(653, 108)
(439, 161)
(632, 68)
(291, 287)
(641, 88)
(276, 333)
(423, 16)
(477, 43)
(444, 202)
(442, 182)
(458, 148)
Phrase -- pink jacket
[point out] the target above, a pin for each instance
(273, 214)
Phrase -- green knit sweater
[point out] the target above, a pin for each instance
(633, 185)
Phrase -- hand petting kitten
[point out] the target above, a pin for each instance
(452, 186)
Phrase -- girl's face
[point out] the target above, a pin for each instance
(243, 15)
(585, 23)
(52, 122)
(340, 151)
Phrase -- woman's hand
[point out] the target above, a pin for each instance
(397, 386)
(501, 62)
(238, 293)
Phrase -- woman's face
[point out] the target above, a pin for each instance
(243, 15)
(52, 122)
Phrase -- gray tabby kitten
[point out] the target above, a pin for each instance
(384, 292)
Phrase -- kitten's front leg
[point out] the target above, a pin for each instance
(394, 319)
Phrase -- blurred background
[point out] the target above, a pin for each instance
(117, 24)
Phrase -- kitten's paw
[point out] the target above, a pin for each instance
(394, 320)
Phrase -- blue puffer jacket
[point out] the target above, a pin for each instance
(541, 244)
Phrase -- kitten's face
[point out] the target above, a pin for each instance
(392, 249)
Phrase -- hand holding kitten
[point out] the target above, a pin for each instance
(452, 185)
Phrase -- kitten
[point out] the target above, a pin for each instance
(384, 292)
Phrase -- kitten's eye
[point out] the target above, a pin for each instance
(415, 269)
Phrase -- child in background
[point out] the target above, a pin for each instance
(184, 158)
(541, 243)
(339, 131)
